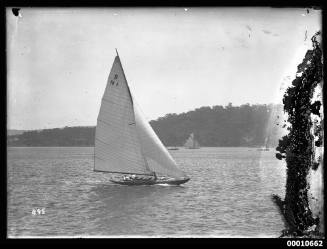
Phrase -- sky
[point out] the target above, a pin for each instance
(175, 59)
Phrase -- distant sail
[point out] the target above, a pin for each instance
(124, 141)
(191, 143)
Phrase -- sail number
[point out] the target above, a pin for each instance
(112, 82)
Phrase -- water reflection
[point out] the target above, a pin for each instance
(114, 195)
(129, 210)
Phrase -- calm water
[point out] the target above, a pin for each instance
(229, 195)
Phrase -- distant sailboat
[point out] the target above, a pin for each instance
(191, 143)
(125, 144)
(265, 148)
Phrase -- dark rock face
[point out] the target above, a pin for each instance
(297, 147)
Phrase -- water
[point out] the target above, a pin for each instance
(229, 195)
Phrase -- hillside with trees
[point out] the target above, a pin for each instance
(68, 136)
(217, 126)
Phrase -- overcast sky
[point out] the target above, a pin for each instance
(175, 59)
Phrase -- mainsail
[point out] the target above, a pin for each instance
(124, 140)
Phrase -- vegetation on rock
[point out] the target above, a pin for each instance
(298, 146)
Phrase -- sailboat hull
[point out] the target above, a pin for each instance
(263, 149)
(133, 183)
(151, 182)
(172, 182)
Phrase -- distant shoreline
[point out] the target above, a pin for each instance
(218, 126)
(250, 147)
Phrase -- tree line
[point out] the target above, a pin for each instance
(221, 126)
